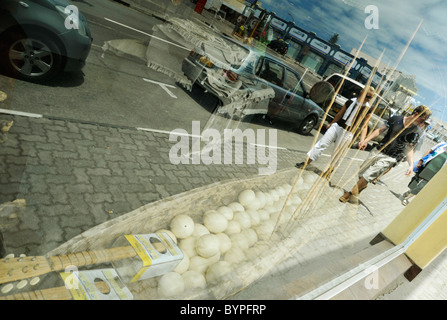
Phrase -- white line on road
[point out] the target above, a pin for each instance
(20, 113)
(169, 132)
(147, 34)
(264, 146)
(163, 86)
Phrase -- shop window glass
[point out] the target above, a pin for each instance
(294, 50)
(272, 72)
(312, 61)
(292, 83)
(333, 68)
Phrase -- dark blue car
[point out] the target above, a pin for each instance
(41, 38)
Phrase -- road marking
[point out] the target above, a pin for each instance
(147, 34)
(169, 132)
(264, 146)
(20, 113)
(164, 86)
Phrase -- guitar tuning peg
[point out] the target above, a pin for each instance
(22, 284)
(6, 288)
(34, 281)
(9, 256)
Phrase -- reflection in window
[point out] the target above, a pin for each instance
(272, 72)
(312, 61)
(333, 68)
(292, 83)
(294, 50)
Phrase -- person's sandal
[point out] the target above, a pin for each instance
(404, 202)
(345, 197)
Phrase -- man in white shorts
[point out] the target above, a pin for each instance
(353, 115)
(401, 137)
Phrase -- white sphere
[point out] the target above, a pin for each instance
(270, 208)
(274, 194)
(251, 236)
(193, 280)
(268, 198)
(243, 218)
(207, 245)
(296, 200)
(254, 217)
(169, 233)
(217, 270)
(225, 242)
(239, 240)
(182, 226)
(227, 212)
(188, 246)
(281, 191)
(215, 221)
(170, 284)
(199, 230)
(263, 215)
(303, 187)
(198, 264)
(265, 229)
(261, 199)
(246, 197)
(236, 207)
(233, 227)
(254, 205)
(183, 265)
(235, 255)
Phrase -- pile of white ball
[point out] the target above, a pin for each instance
(224, 238)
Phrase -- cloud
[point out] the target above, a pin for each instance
(425, 58)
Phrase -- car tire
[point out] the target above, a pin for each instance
(306, 126)
(32, 56)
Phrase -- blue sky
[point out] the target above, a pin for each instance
(426, 58)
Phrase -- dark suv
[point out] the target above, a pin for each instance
(40, 38)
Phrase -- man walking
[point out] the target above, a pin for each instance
(353, 114)
(401, 137)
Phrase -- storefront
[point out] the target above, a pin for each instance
(297, 38)
(340, 61)
(278, 27)
(316, 55)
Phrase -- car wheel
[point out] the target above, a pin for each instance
(33, 56)
(307, 125)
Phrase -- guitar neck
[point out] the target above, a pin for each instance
(13, 269)
(59, 293)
